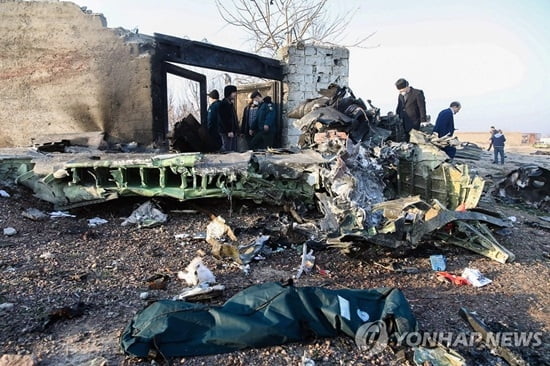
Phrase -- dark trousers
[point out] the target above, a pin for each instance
(499, 150)
(229, 143)
(262, 140)
(450, 150)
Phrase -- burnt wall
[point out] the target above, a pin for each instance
(63, 71)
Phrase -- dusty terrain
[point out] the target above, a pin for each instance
(60, 262)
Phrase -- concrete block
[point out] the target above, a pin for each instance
(310, 50)
(297, 59)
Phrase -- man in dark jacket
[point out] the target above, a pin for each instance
(213, 119)
(498, 141)
(411, 106)
(249, 115)
(445, 125)
(228, 119)
(266, 124)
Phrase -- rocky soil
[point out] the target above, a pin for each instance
(61, 262)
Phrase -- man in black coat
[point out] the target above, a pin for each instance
(411, 106)
(229, 126)
(249, 115)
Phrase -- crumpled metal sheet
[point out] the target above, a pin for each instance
(354, 183)
(468, 150)
(426, 172)
(307, 106)
(146, 215)
(529, 184)
(408, 221)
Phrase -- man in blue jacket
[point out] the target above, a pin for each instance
(445, 125)
(265, 124)
(498, 140)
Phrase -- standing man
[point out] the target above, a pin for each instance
(498, 140)
(492, 132)
(228, 119)
(213, 119)
(445, 125)
(411, 106)
(266, 124)
(249, 115)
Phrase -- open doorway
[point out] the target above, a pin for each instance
(211, 67)
(187, 88)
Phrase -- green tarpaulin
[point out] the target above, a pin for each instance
(263, 315)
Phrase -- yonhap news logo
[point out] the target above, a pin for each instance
(373, 338)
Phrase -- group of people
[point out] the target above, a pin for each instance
(259, 120)
(258, 125)
(411, 108)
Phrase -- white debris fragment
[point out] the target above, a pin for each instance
(306, 361)
(198, 290)
(475, 277)
(6, 306)
(218, 229)
(55, 214)
(9, 231)
(246, 269)
(96, 221)
(60, 174)
(196, 273)
(144, 295)
(146, 215)
(46, 255)
(4, 193)
(182, 236)
(308, 261)
(34, 214)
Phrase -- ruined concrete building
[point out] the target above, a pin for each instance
(63, 71)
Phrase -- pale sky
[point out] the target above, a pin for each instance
(491, 55)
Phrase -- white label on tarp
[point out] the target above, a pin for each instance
(363, 315)
(344, 308)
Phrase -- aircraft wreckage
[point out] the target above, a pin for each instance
(369, 188)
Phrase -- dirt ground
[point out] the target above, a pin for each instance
(60, 262)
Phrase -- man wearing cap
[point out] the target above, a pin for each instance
(445, 125)
(228, 119)
(213, 119)
(249, 115)
(411, 106)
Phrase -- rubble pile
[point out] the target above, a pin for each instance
(351, 161)
(354, 170)
(338, 110)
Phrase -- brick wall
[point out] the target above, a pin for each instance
(309, 68)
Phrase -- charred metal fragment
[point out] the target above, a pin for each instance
(426, 173)
(488, 338)
(468, 150)
(411, 221)
(339, 110)
(529, 184)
